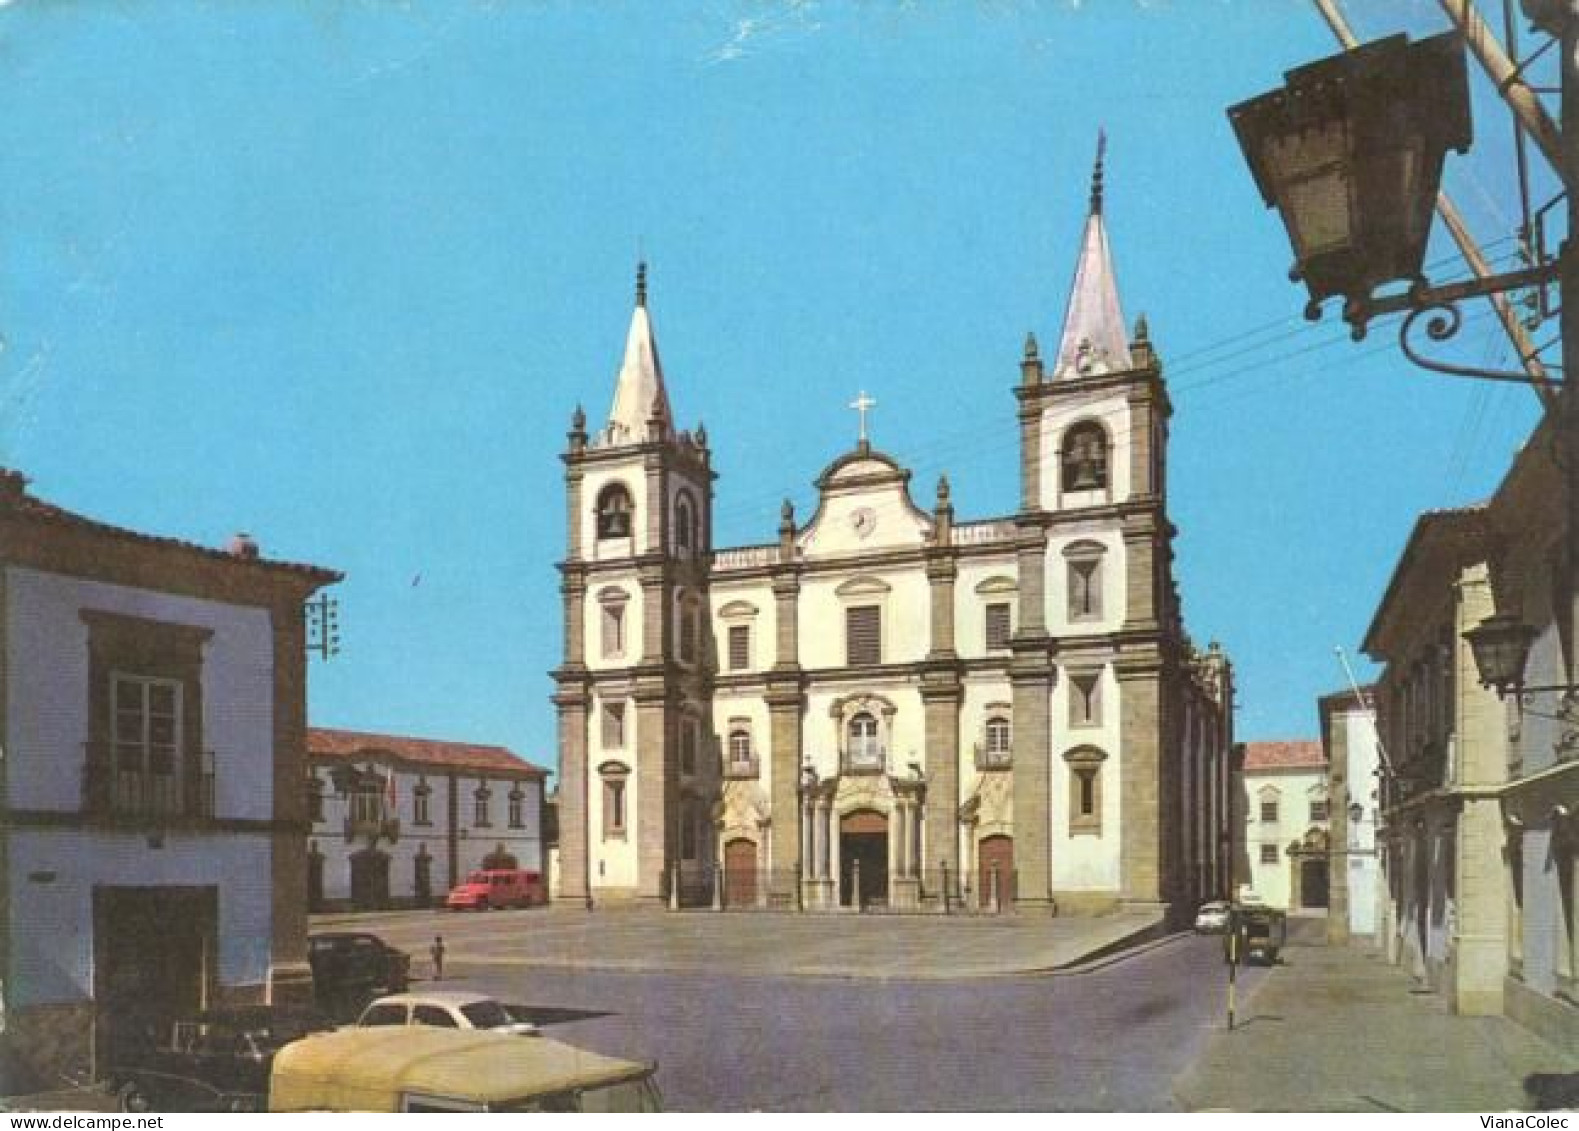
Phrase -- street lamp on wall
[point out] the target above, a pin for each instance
(1350, 152)
(1501, 646)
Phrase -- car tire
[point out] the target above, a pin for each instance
(131, 1097)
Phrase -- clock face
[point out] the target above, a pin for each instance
(863, 520)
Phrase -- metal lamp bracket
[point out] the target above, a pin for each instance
(1440, 307)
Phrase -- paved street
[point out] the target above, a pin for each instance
(734, 1038)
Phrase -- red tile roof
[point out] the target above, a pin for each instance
(15, 498)
(1289, 754)
(355, 746)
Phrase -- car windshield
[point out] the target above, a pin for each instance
(487, 1014)
(477, 878)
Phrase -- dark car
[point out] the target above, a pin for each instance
(350, 967)
(214, 1061)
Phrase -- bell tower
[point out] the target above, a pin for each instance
(1095, 581)
(634, 691)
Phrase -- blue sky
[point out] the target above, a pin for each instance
(337, 274)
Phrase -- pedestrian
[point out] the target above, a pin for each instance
(437, 951)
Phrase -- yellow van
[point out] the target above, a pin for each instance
(438, 1070)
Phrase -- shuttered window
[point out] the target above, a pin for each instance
(739, 647)
(863, 634)
(997, 626)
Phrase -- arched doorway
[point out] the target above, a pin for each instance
(863, 844)
(740, 873)
(995, 854)
(369, 880)
(1313, 883)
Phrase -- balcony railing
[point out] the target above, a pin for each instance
(863, 760)
(112, 790)
(736, 769)
(373, 829)
(989, 759)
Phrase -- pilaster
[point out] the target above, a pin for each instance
(656, 779)
(1144, 821)
(786, 708)
(574, 779)
(941, 692)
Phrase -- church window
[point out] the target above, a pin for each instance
(517, 808)
(1085, 790)
(690, 629)
(688, 737)
(1318, 809)
(1085, 457)
(480, 799)
(420, 796)
(1269, 854)
(997, 627)
(863, 750)
(1269, 810)
(684, 522)
(612, 603)
(614, 778)
(999, 742)
(741, 759)
(613, 725)
(863, 634)
(614, 512)
(739, 647)
(1084, 562)
(1085, 699)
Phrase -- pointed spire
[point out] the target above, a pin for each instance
(639, 394)
(1093, 339)
(1096, 173)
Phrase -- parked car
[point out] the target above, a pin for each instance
(446, 1009)
(1212, 918)
(352, 966)
(214, 1061)
(443, 1070)
(496, 889)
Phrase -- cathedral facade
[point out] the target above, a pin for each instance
(889, 705)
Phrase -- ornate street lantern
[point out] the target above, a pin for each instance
(1350, 152)
(1501, 644)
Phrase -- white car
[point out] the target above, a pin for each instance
(1212, 918)
(445, 1009)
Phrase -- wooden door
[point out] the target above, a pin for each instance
(740, 873)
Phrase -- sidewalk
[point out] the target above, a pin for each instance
(1337, 1029)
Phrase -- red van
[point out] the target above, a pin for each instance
(496, 889)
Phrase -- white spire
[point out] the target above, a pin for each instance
(1094, 339)
(639, 393)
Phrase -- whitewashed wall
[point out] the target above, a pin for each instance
(47, 689)
(52, 938)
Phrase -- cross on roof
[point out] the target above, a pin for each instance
(861, 404)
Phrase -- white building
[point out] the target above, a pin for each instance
(397, 822)
(1352, 748)
(1283, 796)
(885, 704)
(152, 717)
